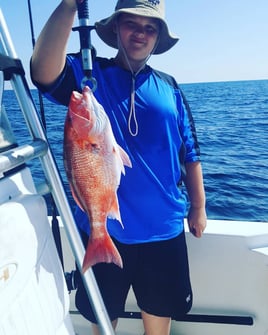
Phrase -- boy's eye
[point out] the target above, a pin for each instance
(130, 25)
(133, 26)
(150, 30)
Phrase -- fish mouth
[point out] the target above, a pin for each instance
(86, 90)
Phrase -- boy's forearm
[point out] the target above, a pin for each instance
(194, 184)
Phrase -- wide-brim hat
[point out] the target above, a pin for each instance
(149, 8)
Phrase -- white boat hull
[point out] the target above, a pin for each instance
(33, 295)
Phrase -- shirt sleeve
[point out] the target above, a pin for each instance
(187, 129)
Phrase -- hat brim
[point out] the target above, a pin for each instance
(105, 30)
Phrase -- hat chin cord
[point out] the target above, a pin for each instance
(132, 113)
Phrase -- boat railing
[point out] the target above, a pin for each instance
(17, 156)
(39, 147)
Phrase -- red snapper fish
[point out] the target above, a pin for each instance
(94, 162)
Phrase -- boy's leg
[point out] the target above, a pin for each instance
(156, 325)
(96, 329)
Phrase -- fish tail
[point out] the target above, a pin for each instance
(101, 250)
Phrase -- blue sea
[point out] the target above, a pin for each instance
(232, 126)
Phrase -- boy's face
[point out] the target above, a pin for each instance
(138, 35)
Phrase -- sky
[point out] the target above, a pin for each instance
(219, 40)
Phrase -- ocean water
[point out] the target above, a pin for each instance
(232, 126)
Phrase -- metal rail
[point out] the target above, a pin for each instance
(12, 158)
(52, 175)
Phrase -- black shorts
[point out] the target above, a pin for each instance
(158, 273)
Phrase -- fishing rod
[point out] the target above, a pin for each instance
(87, 50)
(42, 109)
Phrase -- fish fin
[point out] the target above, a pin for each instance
(76, 197)
(101, 250)
(114, 212)
(124, 156)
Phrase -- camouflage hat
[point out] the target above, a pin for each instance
(148, 8)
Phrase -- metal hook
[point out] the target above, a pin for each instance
(90, 79)
(87, 50)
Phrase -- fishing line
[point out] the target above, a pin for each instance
(41, 103)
